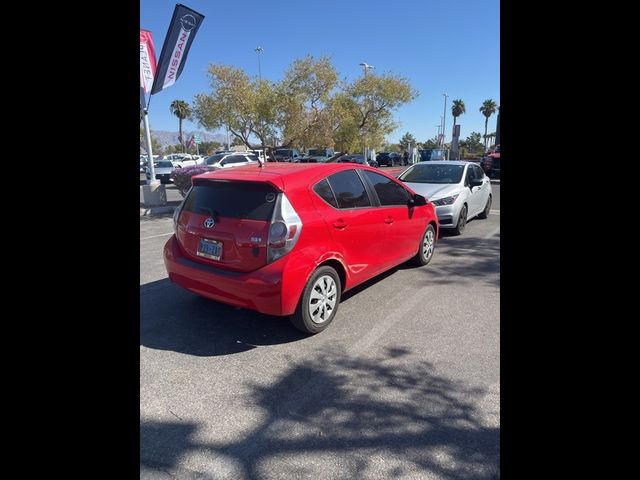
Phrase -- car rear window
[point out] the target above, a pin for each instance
(163, 164)
(244, 200)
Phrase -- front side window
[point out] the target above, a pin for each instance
(349, 190)
(389, 192)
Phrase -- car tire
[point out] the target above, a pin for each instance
(427, 247)
(487, 209)
(462, 221)
(323, 289)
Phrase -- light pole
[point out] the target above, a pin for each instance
(366, 67)
(259, 50)
(444, 120)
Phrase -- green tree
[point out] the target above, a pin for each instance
(407, 139)
(308, 108)
(180, 109)
(244, 105)
(457, 109)
(431, 143)
(487, 109)
(472, 143)
(208, 148)
(373, 99)
(305, 119)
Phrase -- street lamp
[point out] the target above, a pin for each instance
(259, 50)
(444, 121)
(366, 67)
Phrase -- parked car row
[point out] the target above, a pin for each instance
(292, 242)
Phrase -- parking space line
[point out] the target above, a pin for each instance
(155, 236)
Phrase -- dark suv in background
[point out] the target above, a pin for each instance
(390, 159)
(286, 154)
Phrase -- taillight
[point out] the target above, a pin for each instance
(284, 230)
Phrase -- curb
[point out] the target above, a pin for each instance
(497, 181)
(145, 212)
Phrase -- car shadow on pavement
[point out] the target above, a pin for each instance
(469, 260)
(337, 415)
(172, 318)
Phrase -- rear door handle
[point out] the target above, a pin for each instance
(388, 220)
(339, 224)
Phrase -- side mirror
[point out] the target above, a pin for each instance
(417, 201)
(476, 182)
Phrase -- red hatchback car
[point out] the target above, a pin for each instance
(289, 239)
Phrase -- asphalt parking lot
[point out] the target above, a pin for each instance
(403, 384)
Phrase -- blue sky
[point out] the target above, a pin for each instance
(450, 46)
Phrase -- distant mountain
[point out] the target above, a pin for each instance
(166, 138)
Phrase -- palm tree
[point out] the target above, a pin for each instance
(180, 109)
(457, 109)
(488, 108)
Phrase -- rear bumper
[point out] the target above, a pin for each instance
(260, 290)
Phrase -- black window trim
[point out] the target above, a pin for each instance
(372, 189)
(313, 188)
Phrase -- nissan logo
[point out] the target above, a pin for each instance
(209, 222)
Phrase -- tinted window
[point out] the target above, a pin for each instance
(284, 153)
(214, 159)
(324, 191)
(163, 164)
(232, 200)
(430, 173)
(349, 190)
(479, 172)
(389, 192)
(252, 157)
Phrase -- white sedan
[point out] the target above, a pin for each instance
(163, 170)
(459, 190)
(227, 160)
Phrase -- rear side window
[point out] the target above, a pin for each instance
(244, 200)
(349, 190)
(324, 191)
(389, 192)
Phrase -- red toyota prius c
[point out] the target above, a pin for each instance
(290, 239)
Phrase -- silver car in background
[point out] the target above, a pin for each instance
(459, 190)
(163, 170)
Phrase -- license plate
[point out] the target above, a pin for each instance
(209, 249)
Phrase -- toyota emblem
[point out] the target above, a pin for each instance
(209, 222)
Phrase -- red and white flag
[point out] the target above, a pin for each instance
(147, 60)
(192, 141)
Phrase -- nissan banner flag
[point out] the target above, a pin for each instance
(147, 60)
(182, 30)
